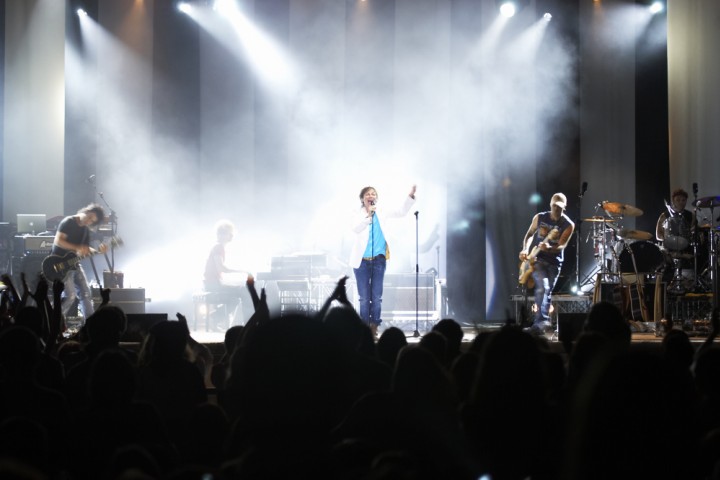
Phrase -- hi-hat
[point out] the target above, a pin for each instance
(708, 202)
(599, 219)
(616, 208)
(634, 234)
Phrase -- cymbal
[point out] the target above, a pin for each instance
(708, 202)
(634, 234)
(616, 208)
(599, 219)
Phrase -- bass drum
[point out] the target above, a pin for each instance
(648, 257)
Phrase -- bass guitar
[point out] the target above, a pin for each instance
(55, 267)
(527, 266)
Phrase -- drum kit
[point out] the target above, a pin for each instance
(619, 251)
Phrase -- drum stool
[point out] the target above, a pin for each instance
(213, 309)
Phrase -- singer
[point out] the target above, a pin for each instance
(73, 238)
(546, 240)
(371, 251)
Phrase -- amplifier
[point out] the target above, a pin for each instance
(32, 244)
(131, 300)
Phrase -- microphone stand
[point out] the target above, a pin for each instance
(416, 333)
(92, 181)
(583, 189)
(113, 225)
(372, 266)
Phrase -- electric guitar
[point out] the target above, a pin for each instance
(55, 267)
(527, 266)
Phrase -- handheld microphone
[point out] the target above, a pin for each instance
(372, 204)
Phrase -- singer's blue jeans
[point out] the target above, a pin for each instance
(369, 277)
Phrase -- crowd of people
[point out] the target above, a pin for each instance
(317, 397)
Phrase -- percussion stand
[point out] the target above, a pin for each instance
(675, 286)
(698, 286)
(713, 259)
(598, 235)
(613, 272)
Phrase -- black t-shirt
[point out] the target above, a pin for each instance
(74, 233)
(545, 225)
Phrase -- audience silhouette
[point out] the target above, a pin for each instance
(316, 397)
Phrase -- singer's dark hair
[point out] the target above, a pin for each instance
(679, 192)
(365, 190)
(97, 210)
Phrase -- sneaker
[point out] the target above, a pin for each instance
(539, 328)
(534, 330)
(545, 326)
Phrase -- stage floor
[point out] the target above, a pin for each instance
(471, 332)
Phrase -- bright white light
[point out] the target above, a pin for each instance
(184, 7)
(508, 9)
(547, 16)
(269, 59)
(81, 13)
(656, 7)
(225, 8)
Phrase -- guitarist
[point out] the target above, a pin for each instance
(73, 238)
(549, 259)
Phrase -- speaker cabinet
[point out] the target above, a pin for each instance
(131, 300)
(31, 266)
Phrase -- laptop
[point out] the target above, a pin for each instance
(32, 223)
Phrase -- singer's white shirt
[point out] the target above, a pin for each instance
(361, 228)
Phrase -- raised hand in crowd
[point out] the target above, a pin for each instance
(40, 296)
(105, 295)
(25, 291)
(339, 294)
(262, 312)
(57, 322)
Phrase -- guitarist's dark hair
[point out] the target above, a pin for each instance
(97, 210)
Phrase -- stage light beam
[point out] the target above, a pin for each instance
(81, 13)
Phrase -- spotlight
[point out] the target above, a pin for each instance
(184, 7)
(81, 13)
(656, 7)
(547, 16)
(508, 9)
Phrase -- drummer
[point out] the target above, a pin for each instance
(676, 225)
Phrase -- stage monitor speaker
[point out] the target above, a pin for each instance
(403, 299)
(399, 292)
(131, 300)
(139, 324)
